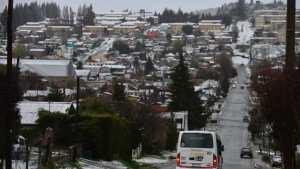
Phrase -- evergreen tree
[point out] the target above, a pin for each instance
(177, 46)
(184, 98)
(136, 65)
(240, 11)
(19, 51)
(187, 29)
(118, 91)
(72, 110)
(149, 67)
(3, 18)
(55, 95)
(139, 46)
(71, 20)
(66, 15)
(31, 12)
(121, 46)
(235, 33)
(86, 15)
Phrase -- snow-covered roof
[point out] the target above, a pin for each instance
(115, 66)
(207, 84)
(29, 110)
(46, 68)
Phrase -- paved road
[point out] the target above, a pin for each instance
(233, 131)
(231, 128)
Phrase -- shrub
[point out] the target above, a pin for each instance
(105, 137)
(265, 158)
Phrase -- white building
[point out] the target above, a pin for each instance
(180, 118)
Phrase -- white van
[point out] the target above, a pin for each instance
(199, 149)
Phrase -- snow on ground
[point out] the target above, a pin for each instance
(206, 85)
(262, 51)
(20, 164)
(248, 71)
(90, 164)
(151, 160)
(29, 110)
(168, 154)
(245, 32)
(106, 45)
(240, 60)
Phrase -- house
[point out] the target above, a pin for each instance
(46, 68)
(111, 18)
(264, 17)
(180, 118)
(31, 32)
(152, 33)
(274, 21)
(31, 27)
(95, 29)
(125, 28)
(59, 30)
(213, 26)
(37, 52)
(176, 28)
(223, 39)
(279, 26)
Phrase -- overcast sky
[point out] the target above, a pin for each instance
(150, 5)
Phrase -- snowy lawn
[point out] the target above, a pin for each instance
(151, 160)
(240, 60)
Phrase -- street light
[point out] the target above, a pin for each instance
(79, 73)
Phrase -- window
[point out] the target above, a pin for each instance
(197, 140)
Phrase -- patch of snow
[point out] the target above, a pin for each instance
(240, 60)
(263, 51)
(245, 32)
(152, 160)
(206, 85)
(29, 109)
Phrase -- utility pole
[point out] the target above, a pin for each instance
(9, 111)
(290, 60)
(290, 78)
(77, 94)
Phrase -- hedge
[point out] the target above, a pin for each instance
(106, 137)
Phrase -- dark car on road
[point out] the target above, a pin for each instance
(246, 152)
(276, 161)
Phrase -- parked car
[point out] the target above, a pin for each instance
(276, 161)
(246, 152)
(199, 149)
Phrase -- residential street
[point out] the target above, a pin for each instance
(231, 128)
(233, 131)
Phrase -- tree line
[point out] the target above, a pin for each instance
(31, 12)
(34, 12)
(171, 16)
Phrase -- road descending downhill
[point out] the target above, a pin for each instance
(232, 129)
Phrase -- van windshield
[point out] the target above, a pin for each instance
(196, 140)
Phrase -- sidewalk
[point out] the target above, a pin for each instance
(258, 163)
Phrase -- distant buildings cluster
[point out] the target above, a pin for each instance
(272, 24)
